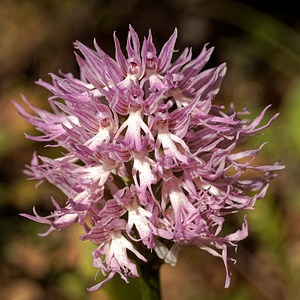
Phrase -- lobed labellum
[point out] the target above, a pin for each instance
(146, 155)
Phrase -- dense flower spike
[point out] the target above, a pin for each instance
(149, 161)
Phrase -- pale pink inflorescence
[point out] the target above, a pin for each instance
(149, 160)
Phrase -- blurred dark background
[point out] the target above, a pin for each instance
(259, 40)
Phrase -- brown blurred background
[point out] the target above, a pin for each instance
(260, 43)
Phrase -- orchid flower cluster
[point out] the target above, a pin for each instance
(149, 163)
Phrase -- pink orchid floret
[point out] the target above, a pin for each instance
(149, 162)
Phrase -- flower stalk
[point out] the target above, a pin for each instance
(150, 281)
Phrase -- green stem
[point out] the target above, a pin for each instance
(149, 279)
